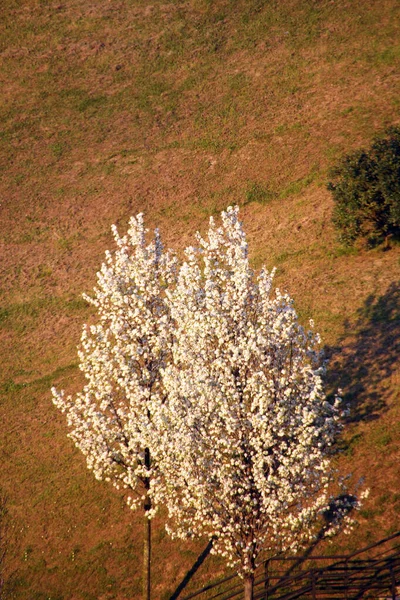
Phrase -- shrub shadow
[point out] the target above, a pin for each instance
(367, 355)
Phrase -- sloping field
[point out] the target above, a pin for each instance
(178, 109)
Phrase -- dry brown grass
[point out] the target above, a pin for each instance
(177, 109)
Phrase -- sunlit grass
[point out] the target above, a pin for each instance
(176, 110)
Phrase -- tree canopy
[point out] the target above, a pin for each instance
(204, 394)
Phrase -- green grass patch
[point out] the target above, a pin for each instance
(258, 192)
(344, 251)
(92, 103)
(349, 446)
(58, 149)
(382, 437)
(211, 144)
(286, 255)
(36, 233)
(41, 384)
(389, 56)
(299, 185)
(20, 316)
(10, 386)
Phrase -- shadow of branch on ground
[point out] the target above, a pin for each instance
(367, 355)
(197, 564)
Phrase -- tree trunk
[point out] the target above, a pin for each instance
(248, 587)
(147, 534)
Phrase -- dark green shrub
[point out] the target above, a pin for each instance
(366, 190)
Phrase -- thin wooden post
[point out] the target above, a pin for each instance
(393, 581)
(146, 558)
(313, 586)
(147, 534)
(266, 580)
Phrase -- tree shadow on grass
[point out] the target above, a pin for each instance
(196, 565)
(367, 356)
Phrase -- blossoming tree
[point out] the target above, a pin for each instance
(204, 394)
(243, 442)
(122, 357)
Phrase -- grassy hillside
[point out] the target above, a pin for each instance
(178, 109)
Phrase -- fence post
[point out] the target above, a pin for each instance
(266, 580)
(313, 587)
(393, 581)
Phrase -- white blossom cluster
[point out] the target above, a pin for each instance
(207, 368)
(244, 437)
(122, 357)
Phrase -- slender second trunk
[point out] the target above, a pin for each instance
(146, 559)
(248, 587)
(147, 534)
